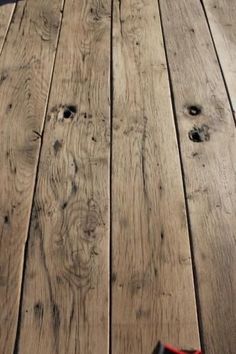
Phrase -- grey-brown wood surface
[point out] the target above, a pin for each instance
(208, 148)
(66, 285)
(221, 16)
(6, 11)
(26, 64)
(117, 176)
(152, 292)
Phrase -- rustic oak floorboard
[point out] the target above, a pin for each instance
(209, 162)
(66, 285)
(221, 15)
(6, 11)
(152, 293)
(25, 73)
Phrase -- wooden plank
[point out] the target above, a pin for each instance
(25, 73)
(221, 16)
(152, 293)
(66, 287)
(209, 162)
(6, 11)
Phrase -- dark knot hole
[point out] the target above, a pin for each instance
(195, 136)
(194, 110)
(69, 112)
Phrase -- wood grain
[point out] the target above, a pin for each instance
(25, 72)
(221, 16)
(209, 166)
(6, 11)
(66, 288)
(152, 293)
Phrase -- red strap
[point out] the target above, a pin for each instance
(176, 351)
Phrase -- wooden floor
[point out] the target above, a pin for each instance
(117, 176)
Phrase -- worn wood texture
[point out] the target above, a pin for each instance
(66, 288)
(209, 161)
(6, 11)
(221, 15)
(25, 70)
(152, 292)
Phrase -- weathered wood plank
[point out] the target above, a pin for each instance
(66, 289)
(152, 293)
(209, 161)
(221, 16)
(25, 74)
(6, 11)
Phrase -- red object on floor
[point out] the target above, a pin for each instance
(168, 349)
(176, 351)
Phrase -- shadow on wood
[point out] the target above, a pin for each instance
(158, 349)
(4, 2)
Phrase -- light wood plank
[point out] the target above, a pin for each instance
(66, 287)
(6, 11)
(221, 16)
(209, 166)
(152, 294)
(25, 73)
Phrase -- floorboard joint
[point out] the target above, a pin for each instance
(110, 187)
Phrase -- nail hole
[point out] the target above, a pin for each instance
(194, 110)
(195, 136)
(69, 112)
(73, 109)
(199, 134)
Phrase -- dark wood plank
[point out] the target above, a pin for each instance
(25, 73)
(208, 146)
(152, 293)
(66, 289)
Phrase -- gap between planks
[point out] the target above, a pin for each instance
(110, 179)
